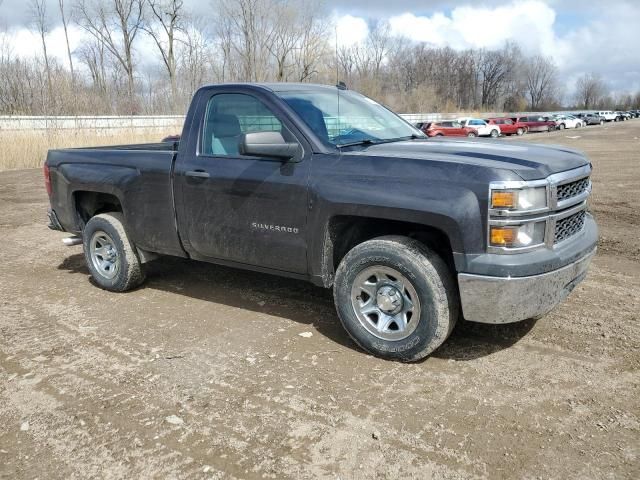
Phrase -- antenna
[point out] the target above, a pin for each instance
(338, 82)
(337, 62)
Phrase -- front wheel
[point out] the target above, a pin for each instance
(471, 135)
(495, 134)
(110, 255)
(519, 132)
(561, 127)
(396, 298)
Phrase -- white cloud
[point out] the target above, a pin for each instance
(530, 23)
(350, 30)
(26, 43)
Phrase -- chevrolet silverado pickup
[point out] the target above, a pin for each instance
(323, 184)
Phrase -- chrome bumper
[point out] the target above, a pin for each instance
(511, 299)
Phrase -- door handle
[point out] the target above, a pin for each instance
(197, 174)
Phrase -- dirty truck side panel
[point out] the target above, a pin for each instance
(139, 179)
(373, 188)
(248, 210)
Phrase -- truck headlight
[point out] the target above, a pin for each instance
(517, 236)
(523, 199)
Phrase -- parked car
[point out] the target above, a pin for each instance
(594, 119)
(481, 126)
(622, 116)
(451, 128)
(409, 233)
(608, 115)
(508, 126)
(536, 123)
(567, 121)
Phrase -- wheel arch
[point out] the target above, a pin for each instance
(89, 203)
(343, 232)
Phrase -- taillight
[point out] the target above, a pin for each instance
(47, 179)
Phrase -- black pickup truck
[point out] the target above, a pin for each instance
(323, 184)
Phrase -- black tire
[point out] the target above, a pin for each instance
(495, 133)
(127, 272)
(520, 132)
(561, 126)
(428, 275)
(471, 135)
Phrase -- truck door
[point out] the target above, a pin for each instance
(240, 208)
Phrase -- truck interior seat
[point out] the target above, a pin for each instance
(311, 115)
(225, 135)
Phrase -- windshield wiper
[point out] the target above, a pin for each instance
(366, 141)
(413, 136)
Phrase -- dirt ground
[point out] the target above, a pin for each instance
(203, 373)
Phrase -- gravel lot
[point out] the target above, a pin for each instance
(204, 373)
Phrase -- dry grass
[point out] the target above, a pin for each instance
(28, 148)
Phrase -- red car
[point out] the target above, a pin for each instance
(450, 128)
(536, 123)
(508, 126)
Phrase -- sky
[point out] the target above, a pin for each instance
(585, 36)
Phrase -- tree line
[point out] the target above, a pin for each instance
(265, 40)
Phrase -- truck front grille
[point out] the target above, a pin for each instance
(569, 226)
(572, 189)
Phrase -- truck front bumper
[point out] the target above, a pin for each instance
(504, 300)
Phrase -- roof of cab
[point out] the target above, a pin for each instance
(278, 87)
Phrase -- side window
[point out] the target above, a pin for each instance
(507, 122)
(229, 116)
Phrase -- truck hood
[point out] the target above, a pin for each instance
(530, 162)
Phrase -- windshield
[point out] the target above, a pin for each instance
(348, 117)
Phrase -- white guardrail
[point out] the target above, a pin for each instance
(89, 122)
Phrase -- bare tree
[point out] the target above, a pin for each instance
(495, 69)
(92, 54)
(251, 30)
(589, 90)
(378, 43)
(41, 22)
(194, 60)
(115, 23)
(313, 43)
(540, 76)
(64, 16)
(167, 22)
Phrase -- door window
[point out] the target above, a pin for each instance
(229, 116)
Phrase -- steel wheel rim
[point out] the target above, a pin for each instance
(104, 255)
(385, 303)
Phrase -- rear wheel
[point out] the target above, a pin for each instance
(519, 132)
(396, 298)
(601, 122)
(495, 133)
(110, 255)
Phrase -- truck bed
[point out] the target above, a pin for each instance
(139, 173)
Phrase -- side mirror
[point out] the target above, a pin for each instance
(267, 144)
